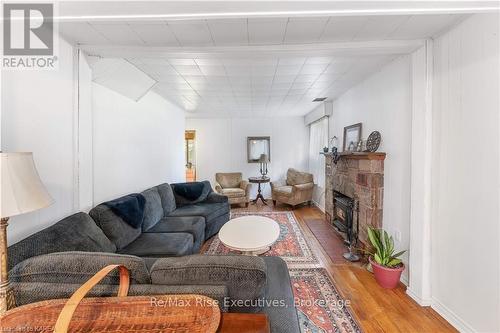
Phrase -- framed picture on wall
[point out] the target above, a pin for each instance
(352, 135)
(256, 146)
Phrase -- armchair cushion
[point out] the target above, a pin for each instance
(284, 190)
(233, 192)
(295, 177)
(229, 180)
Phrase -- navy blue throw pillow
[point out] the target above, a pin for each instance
(129, 208)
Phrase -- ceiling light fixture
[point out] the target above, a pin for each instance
(319, 99)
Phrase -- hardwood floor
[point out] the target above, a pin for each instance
(376, 309)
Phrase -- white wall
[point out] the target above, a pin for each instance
(136, 144)
(38, 116)
(221, 146)
(465, 211)
(383, 103)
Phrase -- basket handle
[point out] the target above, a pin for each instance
(69, 308)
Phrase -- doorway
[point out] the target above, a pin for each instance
(190, 151)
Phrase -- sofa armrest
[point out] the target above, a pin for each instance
(218, 188)
(31, 292)
(303, 187)
(216, 198)
(244, 276)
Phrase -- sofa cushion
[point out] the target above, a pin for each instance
(27, 292)
(118, 231)
(158, 245)
(233, 192)
(77, 232)
(244, 276)
(153, 210)
(167, 198)
(77, 267)
(195, 225)
(208, 210)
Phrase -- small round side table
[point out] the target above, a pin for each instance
(259, 180)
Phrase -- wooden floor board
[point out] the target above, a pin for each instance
(376, 309)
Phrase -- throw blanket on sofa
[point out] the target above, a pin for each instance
(191, 193)
(129, 208)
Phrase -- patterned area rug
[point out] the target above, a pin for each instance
(320, 307)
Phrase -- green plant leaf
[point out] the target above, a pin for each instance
(398, 254)
(378, 259)
(393, 262)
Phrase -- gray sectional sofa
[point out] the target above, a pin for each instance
(161, 255)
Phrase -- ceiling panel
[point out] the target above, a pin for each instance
(191, 33)
(343, 28)
(229, 32)
(81, 33)
(380, 27)
(266, 31)
(119, 33)
(423, 26)
(154, 33)
(304, 30)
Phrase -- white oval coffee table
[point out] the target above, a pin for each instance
(252, 235)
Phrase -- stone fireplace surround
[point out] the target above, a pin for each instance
(361, 177)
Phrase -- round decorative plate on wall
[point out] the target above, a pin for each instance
(373, 141)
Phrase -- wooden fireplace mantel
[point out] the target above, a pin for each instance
(360, 155)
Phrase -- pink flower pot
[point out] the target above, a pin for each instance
(386, 277)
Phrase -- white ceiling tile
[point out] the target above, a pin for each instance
(304, 30)
(380, 27)
(238, 70)
(188, 70)
(313, 69)
(423, 26)
(343, 28)
(154, 34)
(229, 31)
(281, 86)
(279, 78)
(208, 62)
(212, 70)
(339, 66)
(319, 60)
(266, 31)
(120, 34)
(191, 33)
(292, 61)
(81, 33)
(306, 78)
(263, 70)
(288, 70)
(175, 61)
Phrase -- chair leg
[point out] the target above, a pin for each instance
(246, 204)
(274, 202)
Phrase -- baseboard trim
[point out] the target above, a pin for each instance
(451, 317)
(418, 299)
(318, 206)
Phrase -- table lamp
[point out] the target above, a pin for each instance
(22, 191)
(263, 160)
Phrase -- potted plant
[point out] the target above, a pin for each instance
(387, 267)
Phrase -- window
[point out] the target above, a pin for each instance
(318, 138)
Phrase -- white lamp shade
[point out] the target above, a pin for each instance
(22, 189)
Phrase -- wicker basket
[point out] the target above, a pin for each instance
(165, 313)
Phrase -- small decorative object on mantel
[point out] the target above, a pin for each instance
(360, 146)
(373, 142)
(333, 143)
(352, 135)
(325, 149)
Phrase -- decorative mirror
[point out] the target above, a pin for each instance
(256, 146)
